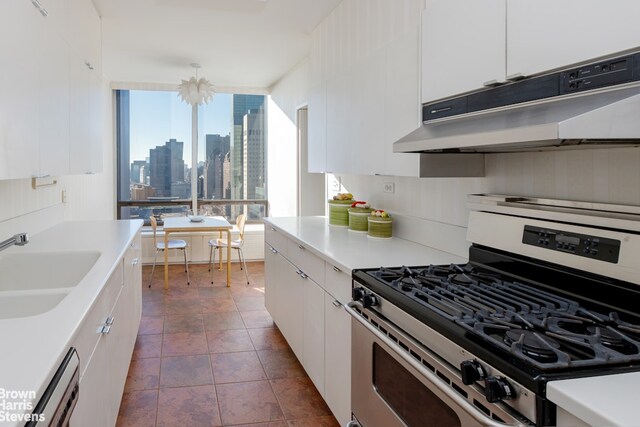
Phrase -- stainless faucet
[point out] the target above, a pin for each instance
(20, 239)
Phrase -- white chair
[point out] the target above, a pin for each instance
(215, 244)
(171, 244)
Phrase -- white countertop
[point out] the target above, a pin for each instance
(33, 347)
(607, 400)
(349, 250)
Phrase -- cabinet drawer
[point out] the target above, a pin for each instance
(132, 258)
(276, 239)
(306, 261)
(87, 335)
(337, 283)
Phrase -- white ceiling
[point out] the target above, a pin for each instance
(239, 43)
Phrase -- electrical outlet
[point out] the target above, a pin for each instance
(64, 196)
(389, 187)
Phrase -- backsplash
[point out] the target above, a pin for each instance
(439, 204)
(606, 176)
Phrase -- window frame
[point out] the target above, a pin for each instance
(188, 203)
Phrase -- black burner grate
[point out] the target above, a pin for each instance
(542, 328)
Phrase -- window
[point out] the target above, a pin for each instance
(156, 173)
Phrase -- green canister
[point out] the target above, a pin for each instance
(358, 217)
(339, 212)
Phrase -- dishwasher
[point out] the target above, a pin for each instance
(61, 395)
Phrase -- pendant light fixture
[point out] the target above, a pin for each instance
(196, 91)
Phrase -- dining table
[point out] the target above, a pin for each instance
(199, 224)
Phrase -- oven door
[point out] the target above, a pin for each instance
(391, 389)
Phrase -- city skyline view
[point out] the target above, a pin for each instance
(154, 141)
(157, 116)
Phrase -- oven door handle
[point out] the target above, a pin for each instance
(433, 378)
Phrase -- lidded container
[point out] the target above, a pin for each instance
(380, 225)
(359, 213)
(339, 209)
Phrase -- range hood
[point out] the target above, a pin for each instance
(606, 113)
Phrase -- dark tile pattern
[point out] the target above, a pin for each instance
(208, 355)
(188, 406)
(249, 402)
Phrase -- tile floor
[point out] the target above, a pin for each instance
(208, 355)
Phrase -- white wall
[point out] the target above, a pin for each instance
(23, 209)
(287, 96)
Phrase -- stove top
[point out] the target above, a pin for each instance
(541, 328)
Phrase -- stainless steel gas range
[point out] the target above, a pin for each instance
(550, 292)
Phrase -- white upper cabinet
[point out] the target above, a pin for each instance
(340, 129)
(49, 96)
(84, 33)
(53, 106)
(365, 88)
(547, 34)
(365, 115)
(401, 102)
(468, 44)
(19, 21)
(463, 46)
(317, 128)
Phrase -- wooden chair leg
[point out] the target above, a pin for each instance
(153, 268)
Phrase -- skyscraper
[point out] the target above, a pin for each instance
(166, 168)
(253, 160)
(138, 171)
(217, 148)
(242, 104)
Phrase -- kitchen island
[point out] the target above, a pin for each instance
(34, 345)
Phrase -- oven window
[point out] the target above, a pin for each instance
(414, 403)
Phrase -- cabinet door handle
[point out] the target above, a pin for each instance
(303, 275)
(492, 83)
(135, 261)
(301, 247)
(273, 250)
(336, 269)
(38, 6)
(105, 328)
(272, 229)
(337, 303)
(515, 77)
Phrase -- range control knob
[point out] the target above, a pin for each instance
(472, 371)
(357, 294)
(369, 300)
(498, 388)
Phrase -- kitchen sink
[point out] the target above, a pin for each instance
(44, 271)
(14, 304)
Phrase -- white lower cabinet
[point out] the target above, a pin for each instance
(313, 335)
(105, 343)
(314, 323)
(289, 305)
(284, 296)
(337, 359)
(272, 260)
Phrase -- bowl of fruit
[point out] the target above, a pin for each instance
(380, 224)
(339, 209)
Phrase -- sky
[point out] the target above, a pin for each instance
(157, 116)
